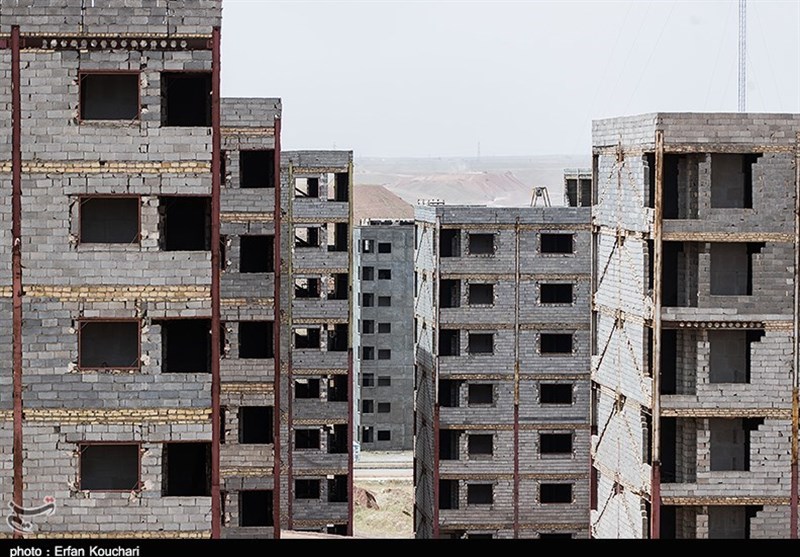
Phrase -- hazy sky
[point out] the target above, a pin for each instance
(436, 78)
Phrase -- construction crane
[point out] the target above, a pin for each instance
(540, 192)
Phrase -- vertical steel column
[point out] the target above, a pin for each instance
(435, 372)
(16, 258)
(655, 491)
(216, 185)
(350, 377)
(276, 339)
(795, 332)
(516, 376)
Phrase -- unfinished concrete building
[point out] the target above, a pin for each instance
(502, 372)
(694, 353)
(315, 310)
(383, 349)
(578, 187)
(140, 282)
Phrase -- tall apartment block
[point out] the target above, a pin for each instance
(315, 310)
(502, 372)
(383, 291)
(142, 279)
(695, 320)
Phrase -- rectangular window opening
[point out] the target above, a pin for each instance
(109, 220)
(555, 493)
(449, 342)
(340, 288)
(481, 294)
(555, 393)
(384, 274)
(338, 337)
(255, 508)
(307, 288)
(337, 489)
(450, 243)
(257, 169)
(186, 99)
(449, 440)
(384, 407)
(480, 494)
(384, 328)
(384, 435)
(732, 180)
(384, 301)
(306, 489)
(256, 340)
(186, 470)
(109, 345)
(367, 434)
(109, 96)
(555, 294)
(307, 338)
(306, 188)
(337, 439)
(112, 467)
(555, 443)
(367, 379)
(480, 445)
(367, 273)
(481, 394)
(481, 343)
(481, 244)
(556, 343)
(384, 381)
(186, 345)
(306, 439)
(256, 425)
(307, 237)
(337, 388)
(338, 236)
(384, 354)
(306, 388)
(556, 243)
(449, 293)
(185, 223)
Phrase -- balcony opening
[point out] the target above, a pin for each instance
(186, 346)
(257, 169)
(555, 294)
(731, 522)
(338, 337)
(306, 439)
(256, 425)
(307, 288)
(306, 388)
(185, 223)
(307, 338)
(306, 188)
(481, 343)
(109, 220)
(255, 508)
(448, 494)
(555, 493)
(109, 345)
(186, 99)
(480, 494)
(730, 442)
(556, 243)
(113, 467)
(555, 444)
(337, 489)
(306, 237)
(556, 343)
(256, 340)
(384, 328)
(732, 180)
(450, 242)
(186, 470)
(337, 439)
(481, 294)
(367, 273)
(731, 351)
(384, 247)
(384, 435)
(109, 96)
(306, 489)
(675, 187)
(481, 244)
(367, 352)
(480, 394)
(448, 393)
(555, 393)
(341, 187)
(338, 239)
(367, 406)
(449, 293)
(449, 441)
(338, 388)
(646, 419)
(257, 254)
(732, 268)
(340, 288)
(384, 407)
(480, 445)
(449, 342)
(367, 326)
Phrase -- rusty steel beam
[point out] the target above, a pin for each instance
(216, 185)
(276, 339)
(350, 455)
(435, 469)
(795, 483)
(16, 261)
(516, 375)
(655, 489)
(350, 377)
(289, 356)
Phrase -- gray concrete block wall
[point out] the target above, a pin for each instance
(51, 468)
(119, 17)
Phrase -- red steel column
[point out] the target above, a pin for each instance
(216, 185)
(435, 470)
(16, 257)
(276, 336)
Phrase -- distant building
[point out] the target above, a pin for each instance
(383, 290)
(502, 372)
